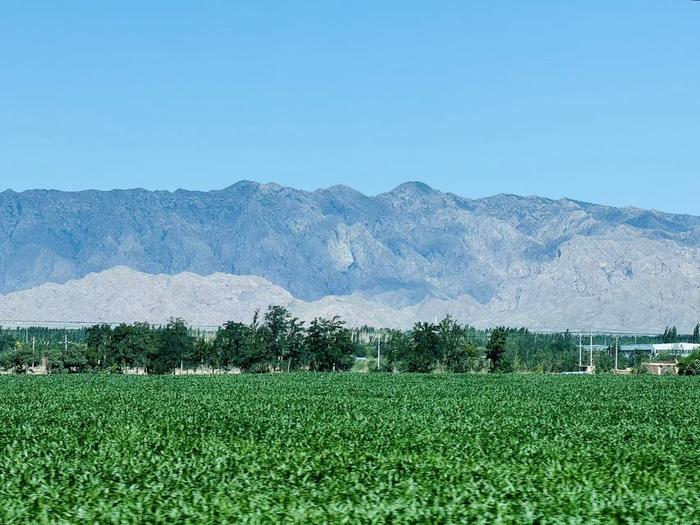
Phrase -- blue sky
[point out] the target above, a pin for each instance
(594, 100)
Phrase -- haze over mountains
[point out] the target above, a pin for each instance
(412, 253)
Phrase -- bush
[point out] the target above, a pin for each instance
(690, 366)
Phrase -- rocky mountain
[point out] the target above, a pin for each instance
(124, 295)
(518, 260)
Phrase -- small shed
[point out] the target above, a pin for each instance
(662, 368)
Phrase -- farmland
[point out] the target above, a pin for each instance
(318, 448)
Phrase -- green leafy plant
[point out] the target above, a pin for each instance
(349, 448)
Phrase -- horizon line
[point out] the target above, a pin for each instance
(326, 188)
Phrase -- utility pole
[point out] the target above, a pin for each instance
(590, 353)
(580, 352)
(65, 342)
(33, 347)
(617, 346)
(379, 352)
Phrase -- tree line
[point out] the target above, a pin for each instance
(276, 341)
(671, 335)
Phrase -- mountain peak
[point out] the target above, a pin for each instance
(243, 184)
(413, 187)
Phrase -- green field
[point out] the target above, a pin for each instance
(349, 448)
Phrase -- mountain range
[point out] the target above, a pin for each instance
(413, 253)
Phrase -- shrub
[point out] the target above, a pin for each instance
(690, 366)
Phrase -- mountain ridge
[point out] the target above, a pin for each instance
(271, 184)
(503, 251)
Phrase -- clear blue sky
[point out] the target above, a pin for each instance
(595, 100)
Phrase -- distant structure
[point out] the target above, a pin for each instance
(661, 369)
(679, 349)
(653, 349)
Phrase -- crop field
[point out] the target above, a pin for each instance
(349, 448)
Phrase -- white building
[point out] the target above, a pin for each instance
(674, 348)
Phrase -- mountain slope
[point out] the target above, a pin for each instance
(524, 259)
(331, 241)
(124, 295)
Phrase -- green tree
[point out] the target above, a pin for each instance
(690, 366)
(53, 358)
(281, 338)
(328, 345)
(74, 358)
(276, 325)
(294, 349)
(670, 335)
(696, 334)
(424, 354)
(397, 346)
(7, 342)
(496, 346)
(456, 352)
(98, 339)
(202, 352)
(234, 346)
(17, 359)
(175, 346)
(133, 346)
